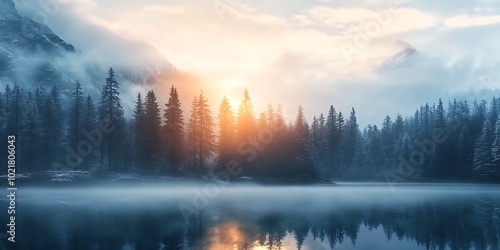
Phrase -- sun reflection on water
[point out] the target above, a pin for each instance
(236, 236)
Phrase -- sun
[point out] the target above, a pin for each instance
(231, 88)
(234, 103)
(230, 83)
(259, 248)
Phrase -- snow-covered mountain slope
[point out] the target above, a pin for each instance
(31, 54)
(23, 43)
(402, 54)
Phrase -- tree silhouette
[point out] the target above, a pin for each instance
(201, 138)
(173, 130)
(226, 142)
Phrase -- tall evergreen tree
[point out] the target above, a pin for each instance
(152, 126)
(388, 140)
(483, 157)
(13, 101)
(304, 163)
(111, 112)
(374, 153)
(89, 120)
(2, 114)
(245, 129)
(301, 126)
(75, 117)
(201, 139)
(271, 116)
(333, 135)
(351, 139)
(246, 120)
(226, 142)
(495, 168)
(139, 134)
(31, 130)
(439, 164)
(173, 130)
(52, 127)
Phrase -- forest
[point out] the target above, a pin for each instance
(459, 142)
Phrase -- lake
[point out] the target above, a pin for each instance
(228, 216)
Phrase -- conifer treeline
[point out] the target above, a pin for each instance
(90, 135)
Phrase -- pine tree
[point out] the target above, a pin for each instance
(398, 127)
(3, 134)
(271, 117)
(226, 142)
(276, 120)
(373, 151)
(387, 141)
(275, 160)
(193, 134)
(139, 131)
(75, 117)
(89, 120)
(201, 138)
(438, 163)
(245, 129)
(464, 154)
(31, 130)
(152, 125)
(246, 120)
(111, 111)
(301, 126)
(493, 112)
(426, 120)
(321, 141)
(173, 130)
(333, 129)
(483, 158)
(13, 101)
(350, 140)
(262, 121)
(315, 132)
(304, 163)
(2, 114)
(495, 168)
(441, 115)
(52, 127)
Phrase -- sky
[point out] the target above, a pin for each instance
(315, 53)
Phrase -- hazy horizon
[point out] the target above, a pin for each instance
(303, 53)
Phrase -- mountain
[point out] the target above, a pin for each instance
(7, 7)
(22, 34)
(402, 54)
(31, 54)
(28, 49)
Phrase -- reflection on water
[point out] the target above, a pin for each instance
(264, 218)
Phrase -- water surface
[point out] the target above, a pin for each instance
(201, 216)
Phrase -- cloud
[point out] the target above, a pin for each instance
(98, 47)
(463, 21)
(387, 21)
(289, 52)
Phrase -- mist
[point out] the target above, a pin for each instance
(190, 215)
(289, 75)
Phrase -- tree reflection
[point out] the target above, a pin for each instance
(458, 223)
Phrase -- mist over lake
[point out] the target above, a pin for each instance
(346, 216)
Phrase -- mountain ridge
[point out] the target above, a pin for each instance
(28, 49)
(7, 7)
(32, 54)
(402, 54)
